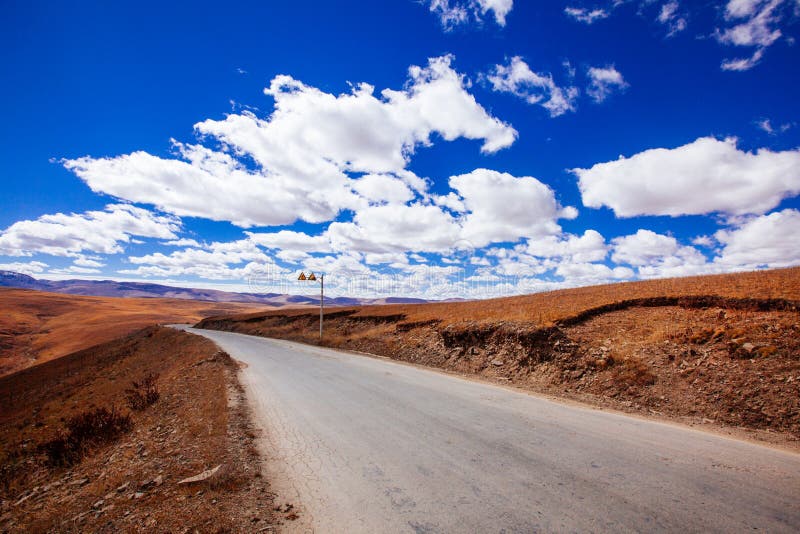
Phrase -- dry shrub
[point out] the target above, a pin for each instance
(634, 372)
(143, 393)
(83, 431)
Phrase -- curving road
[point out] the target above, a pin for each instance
(370, 445)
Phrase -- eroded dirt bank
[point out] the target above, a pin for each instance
(124, 473)
(730, 361)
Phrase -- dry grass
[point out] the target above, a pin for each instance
(36, 326)
(543, 309)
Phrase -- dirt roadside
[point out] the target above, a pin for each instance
(133, 483)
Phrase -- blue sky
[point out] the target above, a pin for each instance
(433, 148)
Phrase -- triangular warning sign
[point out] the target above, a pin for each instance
(303, 276)
(312, 277)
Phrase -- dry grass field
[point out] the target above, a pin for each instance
(36, 326)
(546, 308)
(717, 349)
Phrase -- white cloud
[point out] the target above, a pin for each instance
(766, 126)
(489, 207)
(289, 239)
(587, 16)
(590, 247)
(453, 13)
(671, 17)
(303, 152)
(501, 207)
(766, 241)
(75, 269)
(751, 23)
(183, 242)
(604, 81)
(395, 228)
(743, 64)
(93, 231)
(657, 255)
(517, 78)
(220, 261)
(30, 267)
(645, 247)
(705, 176)
(83, 261)
(703, 241)
(383, 188)
(592, 273)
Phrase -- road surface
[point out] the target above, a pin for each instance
(369, 445)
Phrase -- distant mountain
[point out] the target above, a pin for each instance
(110, 288)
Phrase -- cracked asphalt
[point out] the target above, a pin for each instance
(361, 444)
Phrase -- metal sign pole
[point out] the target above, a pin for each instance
(321, 301)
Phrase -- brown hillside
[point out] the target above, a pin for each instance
(720, 349)
(130, 483)
(546, 308)
(36, 326)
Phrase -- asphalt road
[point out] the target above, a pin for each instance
(368, 445)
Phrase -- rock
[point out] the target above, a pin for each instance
(99, 504)
(123, 487)
(748, 347)
(79, 482)
(497, 362)
(158, 480)
(205, 475)
(138, 495)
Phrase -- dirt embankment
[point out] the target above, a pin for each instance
(130, 479)
(730, 361)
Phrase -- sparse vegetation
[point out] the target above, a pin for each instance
(127, 483)
(142, 393)
(83, 431)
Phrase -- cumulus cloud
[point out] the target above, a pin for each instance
(396, 228)
(657, 255)
(766, 241)
(383, 188)
(706, 176)
(592, 273)
(453, 13)
(298, 161)
(587, 248)
(501, 207)
(484, 207)
(587, 16)
(93, 231)
(603, 81)
(517, 78)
